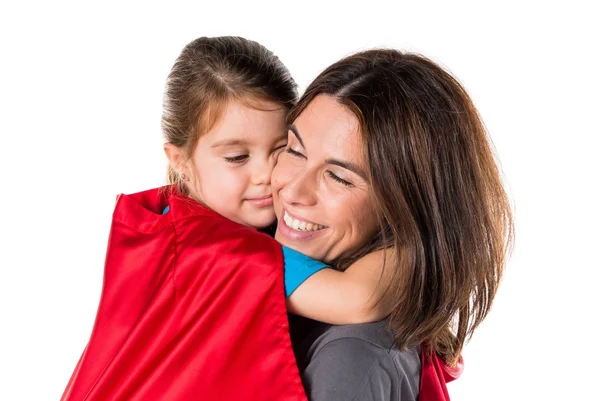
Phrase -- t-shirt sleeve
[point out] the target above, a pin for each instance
(350, 369)
(297, 267)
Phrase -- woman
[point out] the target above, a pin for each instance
(387, 151)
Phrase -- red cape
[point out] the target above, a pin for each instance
(434, 376)
(192, 307)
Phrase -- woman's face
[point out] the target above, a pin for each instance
(320, 186)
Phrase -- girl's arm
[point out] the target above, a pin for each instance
(352, 296)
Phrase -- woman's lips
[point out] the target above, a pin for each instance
(261, 202)
(293, 234)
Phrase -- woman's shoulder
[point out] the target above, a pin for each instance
(371, 340)
(361, 355)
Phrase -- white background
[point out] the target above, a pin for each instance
(80, 104)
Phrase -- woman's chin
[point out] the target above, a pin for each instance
(303, 242)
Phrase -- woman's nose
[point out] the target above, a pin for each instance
(300, 189)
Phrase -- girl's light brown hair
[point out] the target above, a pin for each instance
(437, 189)
(209, 73)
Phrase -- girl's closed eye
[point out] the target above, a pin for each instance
(236, 159)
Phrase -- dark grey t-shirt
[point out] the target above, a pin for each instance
(354, 362)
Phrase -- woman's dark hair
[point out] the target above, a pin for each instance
(437, 190)
(209, 73)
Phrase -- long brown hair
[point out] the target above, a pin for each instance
(437, 189)
(211, 71)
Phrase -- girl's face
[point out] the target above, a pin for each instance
(321, 189)
(230, 169)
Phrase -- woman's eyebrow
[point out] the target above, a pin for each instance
(344, 164)
(348, 166)
(294, 130)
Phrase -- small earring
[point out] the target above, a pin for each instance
(182, 176)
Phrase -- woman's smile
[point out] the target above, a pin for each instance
(298, 230)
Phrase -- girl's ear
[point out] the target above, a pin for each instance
(176, 158)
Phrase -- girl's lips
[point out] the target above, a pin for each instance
(261, 202)
(296, 235)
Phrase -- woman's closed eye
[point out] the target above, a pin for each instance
(236, 159)
(340, 180)
(293, 152)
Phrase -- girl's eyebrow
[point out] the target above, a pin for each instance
(229, 142)
(294, 130)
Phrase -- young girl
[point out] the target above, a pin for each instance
(191, 305)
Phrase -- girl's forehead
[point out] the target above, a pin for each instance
(243, 125)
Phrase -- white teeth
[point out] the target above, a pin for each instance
(299, 224)
(296, 224)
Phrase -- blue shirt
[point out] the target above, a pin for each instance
(297, 267)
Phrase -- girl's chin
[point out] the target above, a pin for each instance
(261, 221)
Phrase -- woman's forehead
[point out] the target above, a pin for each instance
(330, 127)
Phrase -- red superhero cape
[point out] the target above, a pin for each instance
(434, 376)
(192, 308)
